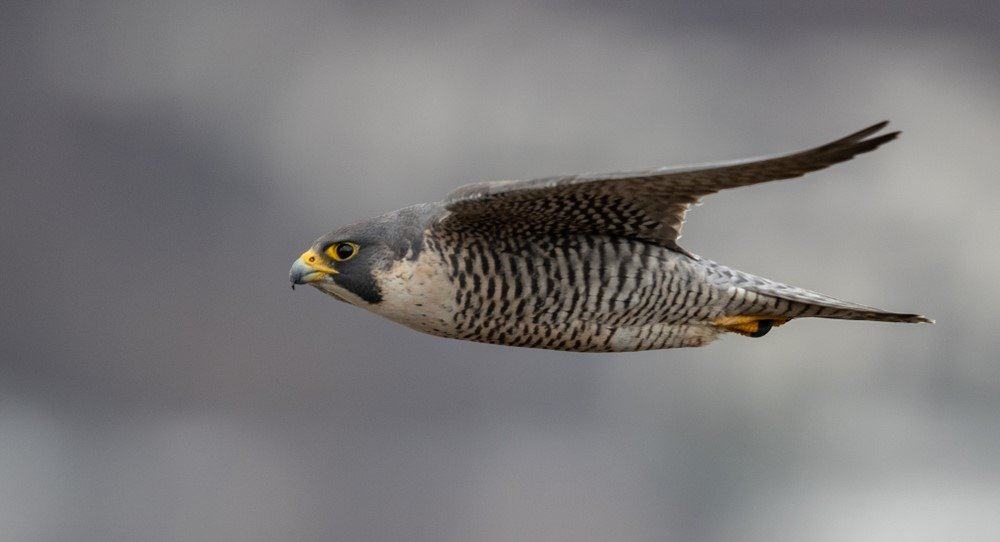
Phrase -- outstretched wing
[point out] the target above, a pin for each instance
(648, 204)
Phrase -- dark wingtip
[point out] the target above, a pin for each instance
(879, 125)
(857, 143)
(867, 145)
(865, 132)
(860, 135)
(915, 319)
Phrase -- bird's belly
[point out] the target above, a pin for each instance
(589, 337)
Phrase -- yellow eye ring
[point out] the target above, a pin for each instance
(342, 251)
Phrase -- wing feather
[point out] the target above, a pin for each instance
(648, 204)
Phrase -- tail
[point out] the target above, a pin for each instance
(760, 304)
(803, 303)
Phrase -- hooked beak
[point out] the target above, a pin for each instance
(310, 267)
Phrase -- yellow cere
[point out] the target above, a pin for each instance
(317, 262)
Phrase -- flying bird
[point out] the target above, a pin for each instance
(586, 263)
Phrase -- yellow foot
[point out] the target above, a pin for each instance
(751, 326)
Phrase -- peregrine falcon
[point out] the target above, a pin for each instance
(586, 263)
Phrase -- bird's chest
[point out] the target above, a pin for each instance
(418, 294)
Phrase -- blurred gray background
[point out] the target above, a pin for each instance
(163, 163)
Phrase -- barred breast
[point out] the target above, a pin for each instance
(587, 293)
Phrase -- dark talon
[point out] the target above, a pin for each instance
(763, 326)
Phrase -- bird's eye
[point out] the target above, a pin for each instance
(343, 251)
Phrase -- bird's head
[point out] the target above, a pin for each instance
(346, 262)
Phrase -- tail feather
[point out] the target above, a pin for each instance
(799, 302)
(804, 302)
(876, 315)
